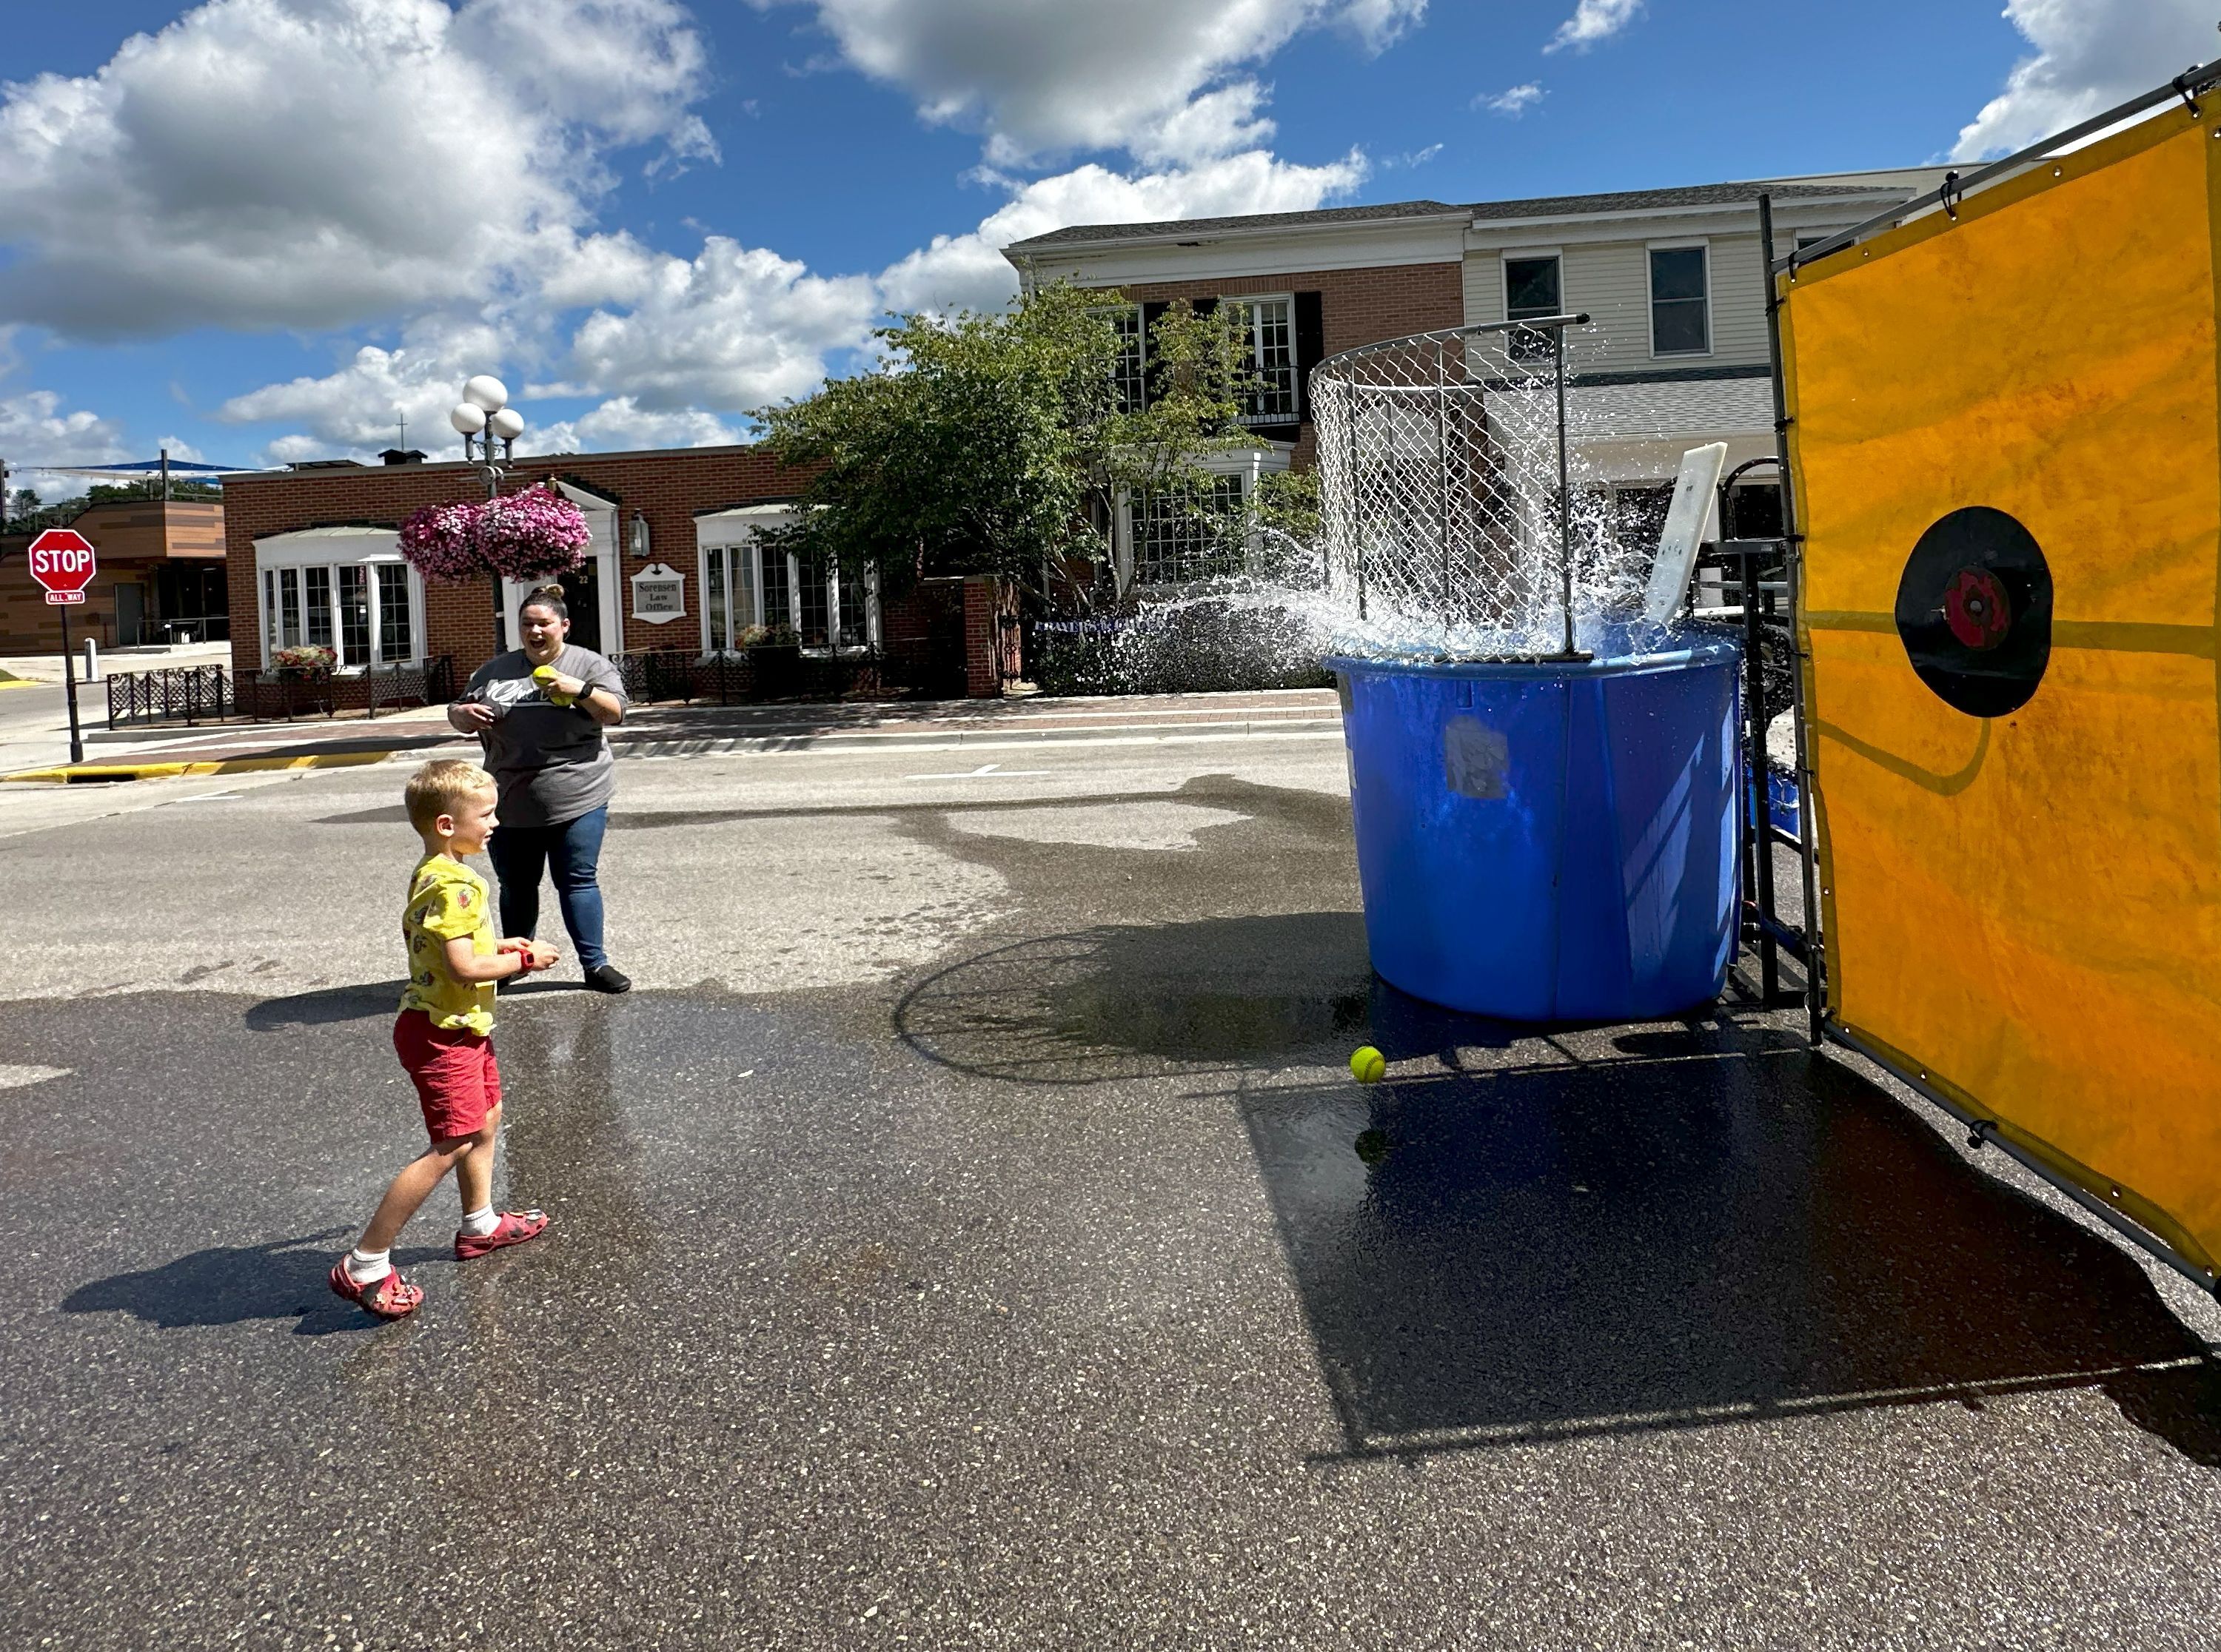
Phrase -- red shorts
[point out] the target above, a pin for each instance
(457, 1081)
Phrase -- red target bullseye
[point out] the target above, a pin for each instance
(1977, 609)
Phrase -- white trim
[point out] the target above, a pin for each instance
(354, 546)
(745, 516)
(1250, 464)
(1295, 357)
(601, 516)
(1650, 301)
(735, 532)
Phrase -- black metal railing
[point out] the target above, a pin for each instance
(196, 693)
(410, 682)
(775, 672)
(191, 693)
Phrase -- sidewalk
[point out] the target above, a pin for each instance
(695, 731)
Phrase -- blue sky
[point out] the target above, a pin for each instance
(261, 230)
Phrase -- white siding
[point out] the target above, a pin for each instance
(1484, 287)
(1611, 280)
(1738, 300)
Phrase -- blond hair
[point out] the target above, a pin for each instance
(442, 786)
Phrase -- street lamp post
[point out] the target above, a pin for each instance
(482, 417)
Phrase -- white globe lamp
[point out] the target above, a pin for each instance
(507, 423)
(486, 392)
(467, 420)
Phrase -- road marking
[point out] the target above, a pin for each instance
(984, 770)
(15, 1078)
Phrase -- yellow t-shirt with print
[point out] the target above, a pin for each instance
(447, 901)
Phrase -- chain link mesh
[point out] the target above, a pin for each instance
(1439, 465)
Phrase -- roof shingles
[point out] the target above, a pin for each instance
(1547, 206)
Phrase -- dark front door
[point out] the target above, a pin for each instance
(582, 594)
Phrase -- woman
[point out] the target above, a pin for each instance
(545, 748)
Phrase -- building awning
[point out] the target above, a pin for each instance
(149, 470)
(1635, 434)
(1671, 409)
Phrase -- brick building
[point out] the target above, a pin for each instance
(1676, 355)
(161, 577)
(677, 570)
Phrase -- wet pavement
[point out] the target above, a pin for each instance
(969, 1235)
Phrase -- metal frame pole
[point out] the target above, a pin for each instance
(1793, 545)
(1443, 470)
(69, 688)
(1565, 489)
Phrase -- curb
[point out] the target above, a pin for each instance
(83, 773)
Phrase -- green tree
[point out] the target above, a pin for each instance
(995, 443)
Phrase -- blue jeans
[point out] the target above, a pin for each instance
(572, 850)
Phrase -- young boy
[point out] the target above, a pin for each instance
(444, 1037)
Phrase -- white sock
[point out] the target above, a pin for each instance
(479, 1223)
(368, 1267)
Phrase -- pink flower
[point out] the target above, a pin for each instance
(528, 535)
(440, 541)
(533, 534)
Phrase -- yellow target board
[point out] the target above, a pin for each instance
(2005, 448)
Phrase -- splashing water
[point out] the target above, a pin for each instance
(1440, 535)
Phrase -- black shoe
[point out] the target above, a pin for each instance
(608, 978)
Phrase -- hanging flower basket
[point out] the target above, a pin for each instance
(441, 542)
(536, 534)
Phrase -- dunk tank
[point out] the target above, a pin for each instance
(2005, 448)
(1544, 758)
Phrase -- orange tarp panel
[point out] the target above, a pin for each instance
(2022, 905)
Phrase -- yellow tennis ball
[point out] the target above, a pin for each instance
(1367, 1065)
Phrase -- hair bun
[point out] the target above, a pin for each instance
(551, 589)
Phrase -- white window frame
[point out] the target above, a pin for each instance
(1249, 465)
(1529, 254)
(1141, 393)
(1650, 300)
(367, 548)
(737, 533)
(1295, 361)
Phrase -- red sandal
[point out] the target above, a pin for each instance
(514, 1227)
(389, 1296)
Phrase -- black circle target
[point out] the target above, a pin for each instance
(1974, 611)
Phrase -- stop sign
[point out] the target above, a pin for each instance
(62, 560)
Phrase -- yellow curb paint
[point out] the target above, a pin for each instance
(126, 771)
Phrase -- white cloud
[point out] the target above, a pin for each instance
(969, 270)
(35, 432)
(315, 163)
(357, 409)
(622, 423)
(734, 328)
(1061, 75)
(2091, 54)
(1593, 20)
(1512, 102)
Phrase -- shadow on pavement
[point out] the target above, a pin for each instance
(358, 1001)
(229, 1285)
(1121, 1000)
(1708, 1228)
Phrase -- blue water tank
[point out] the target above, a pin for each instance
(1551, 841)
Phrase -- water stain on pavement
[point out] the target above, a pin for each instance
(1670, 1242)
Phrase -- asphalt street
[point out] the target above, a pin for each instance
(968, 1235)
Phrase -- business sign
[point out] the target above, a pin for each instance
(659, 595)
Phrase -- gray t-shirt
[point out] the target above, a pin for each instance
(550, 761)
